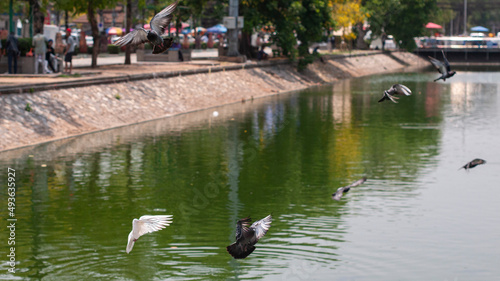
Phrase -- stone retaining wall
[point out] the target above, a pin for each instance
(67, 112)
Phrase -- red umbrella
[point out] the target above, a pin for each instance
(433, 25)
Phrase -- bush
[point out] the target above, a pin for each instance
(216, 45)
(303, 62)
(25, 45)
(203, 45)
(113, 49)
(90, 50)
(148, 46)
(191, 45)
(77, 51)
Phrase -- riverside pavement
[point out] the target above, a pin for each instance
(111, 69)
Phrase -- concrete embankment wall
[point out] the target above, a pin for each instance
(68, 112)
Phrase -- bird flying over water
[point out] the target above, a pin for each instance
(338, 194)
(396, 89)
(247, 237)
(473, 164)
(158, 24)
(443, 67)
(146, 224)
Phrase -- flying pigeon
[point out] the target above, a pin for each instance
(146, 224)
(473, 164)
(338, 194)
(158, 24)
(442, 67)
(396, 89)
(247, 237)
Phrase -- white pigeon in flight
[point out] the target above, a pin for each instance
(146, 224)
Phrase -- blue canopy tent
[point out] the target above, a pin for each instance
(190, 30)
(479, 29)
(219, 28)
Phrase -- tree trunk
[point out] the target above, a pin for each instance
(66, 18)
(360, 41)
(95, 32)
(129, 25)
(38, 17)
(246, 45)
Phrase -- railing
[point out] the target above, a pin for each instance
(458, 42)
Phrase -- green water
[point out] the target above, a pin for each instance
(416, 218)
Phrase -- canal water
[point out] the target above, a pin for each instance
(417, 217)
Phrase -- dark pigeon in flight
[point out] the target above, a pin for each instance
(158, 24)
(247, 237)
(473, 164)
(442, 67)
(396, 89)
(338, 194)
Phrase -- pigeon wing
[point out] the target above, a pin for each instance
(338, 194)
(356, 183)
(261, 227)
(134, 37)
(388, 97)
(163, 19)
(438, 65)
(400, 89)
(446, 63)
(242, 227)
(148, 224)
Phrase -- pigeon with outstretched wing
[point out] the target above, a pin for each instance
(146, 224)
(158, 24)
(247, 237)
(396, 89)
(338, 194)
(443, 67)
(473, 164)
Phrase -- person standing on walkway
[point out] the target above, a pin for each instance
(40, 45)
(12, 51)
(70, 49)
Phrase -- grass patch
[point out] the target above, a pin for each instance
(74, 75)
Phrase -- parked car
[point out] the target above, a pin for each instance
(89, 40)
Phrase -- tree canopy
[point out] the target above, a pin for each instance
(404, 19)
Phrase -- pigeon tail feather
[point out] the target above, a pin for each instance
(167, 43)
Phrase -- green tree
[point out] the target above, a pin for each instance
(404, 19)
(306, 19)
(315, 18)
(90, 8)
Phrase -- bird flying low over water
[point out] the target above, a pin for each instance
(443, 67)
(396, 89)
(247, 237)
(473, 164)
(146, 224)
(338, 194)
(158, 24)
